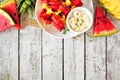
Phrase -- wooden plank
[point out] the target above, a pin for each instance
(74, 66)
(113, 53)
(30, 53)
(9, 54)
(52, 58)
(74, 59)
(95, 56)
(96, 59)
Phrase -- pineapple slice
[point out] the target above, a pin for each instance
(113, 7)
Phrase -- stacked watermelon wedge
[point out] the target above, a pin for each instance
(102, 25)
(9, 6)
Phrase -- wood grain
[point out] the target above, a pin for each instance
(95, 56)
(113, 53)
(8, 54)
(52, 58)
(30, 53)
(95, 59)
(74, 59)
(28, 21)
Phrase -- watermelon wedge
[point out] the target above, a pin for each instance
(10, 7)
(5, 20)
(103, 26)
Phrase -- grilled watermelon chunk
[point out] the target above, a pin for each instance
(103, 26)
(5, 20)
(10, 7)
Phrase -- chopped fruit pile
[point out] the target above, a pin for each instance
(102, 25)
(56, 11)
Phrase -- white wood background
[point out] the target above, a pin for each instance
(31, 54)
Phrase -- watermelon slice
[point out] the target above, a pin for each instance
(10, 7)
(5, 20)
(102, 25)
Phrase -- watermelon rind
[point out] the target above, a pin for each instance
(6, 2)
(105, 33)
(2, 12)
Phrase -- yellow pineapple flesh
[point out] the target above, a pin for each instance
(113, 7)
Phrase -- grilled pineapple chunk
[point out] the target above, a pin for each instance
(113, 7)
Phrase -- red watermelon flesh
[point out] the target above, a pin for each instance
(10, 7)
(103, 26)
(5, 20)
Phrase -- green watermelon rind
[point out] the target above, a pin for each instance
(105, 33)
(7, 16)
(4, 3)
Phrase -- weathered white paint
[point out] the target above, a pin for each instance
(113, 53)
(52, 58)
(74, 59)
(95, 59)
(95, 56)
(35, 47)
(30, 53)
(9, 54)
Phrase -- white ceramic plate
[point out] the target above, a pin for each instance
(51, 29)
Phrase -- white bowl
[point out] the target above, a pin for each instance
(85, 11)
